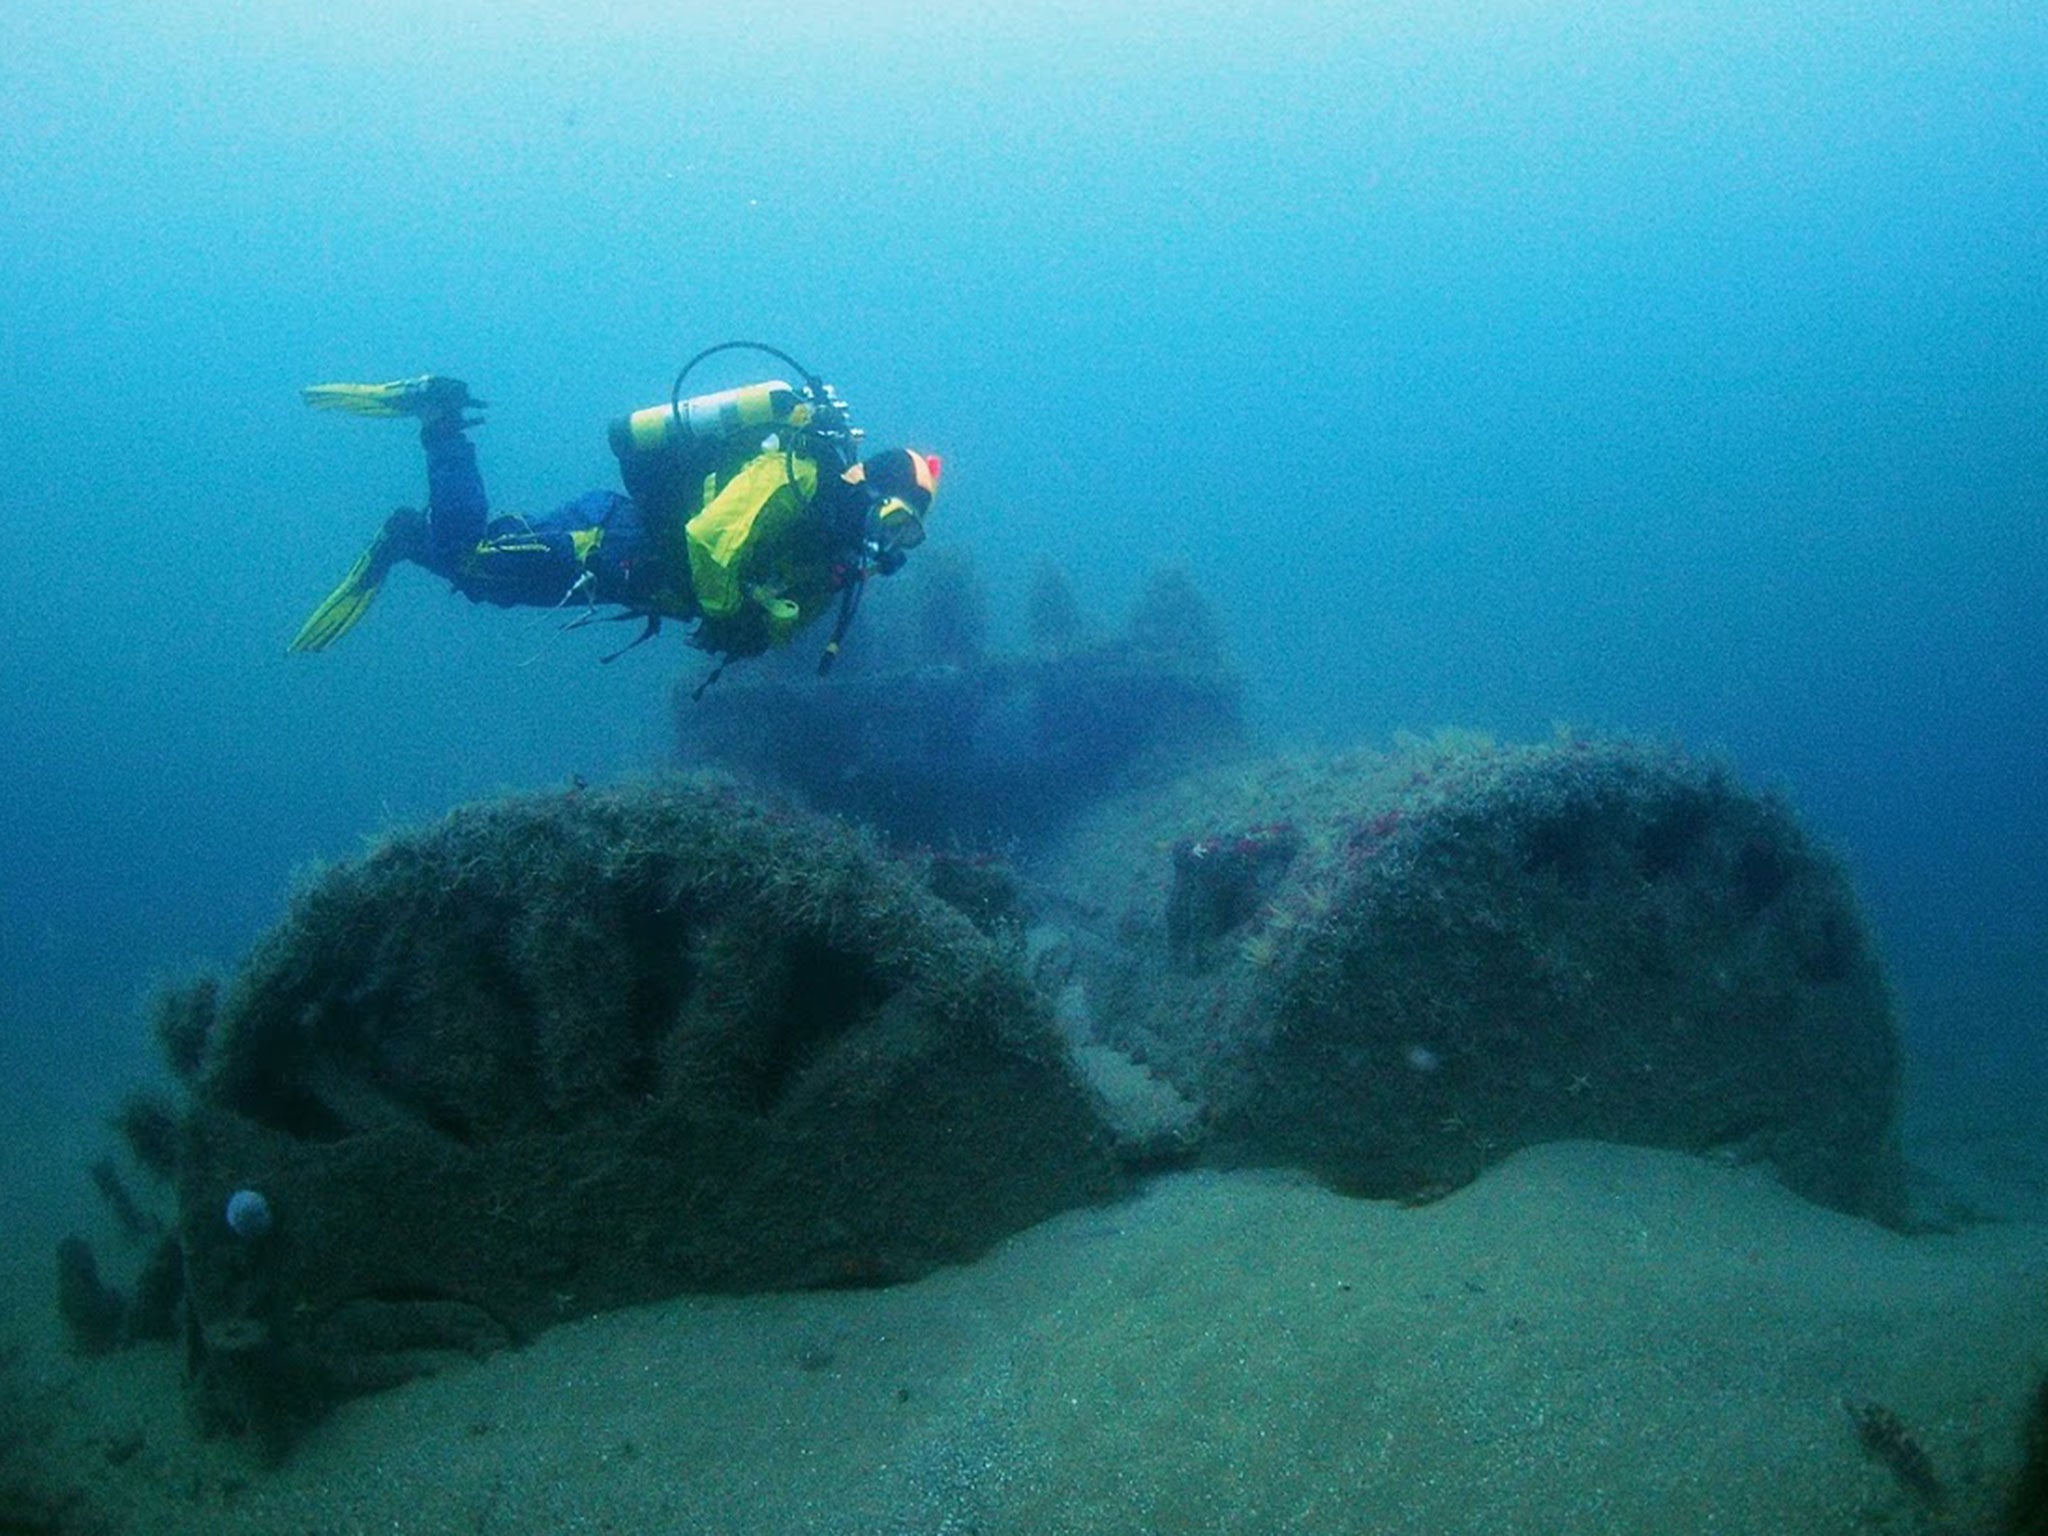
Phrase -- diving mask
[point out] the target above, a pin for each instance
(898, 525)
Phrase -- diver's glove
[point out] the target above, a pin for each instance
(430, 398)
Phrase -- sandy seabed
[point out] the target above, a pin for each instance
(1589, 1339)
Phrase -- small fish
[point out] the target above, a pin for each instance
(1883, 1437)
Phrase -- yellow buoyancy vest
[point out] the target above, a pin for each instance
(728, 566)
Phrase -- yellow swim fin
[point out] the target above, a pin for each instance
(343, 608)
(340, 610)
(427, 396)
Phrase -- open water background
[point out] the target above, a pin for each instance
(1675, 368)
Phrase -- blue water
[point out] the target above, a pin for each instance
(1677, 369)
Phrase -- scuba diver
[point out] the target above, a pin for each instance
(748, 513)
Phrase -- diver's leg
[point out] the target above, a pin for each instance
(522, 565)
(545, 561)
(457, 507)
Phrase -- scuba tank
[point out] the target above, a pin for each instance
(812, 408)
(665, 451)
(670, 425)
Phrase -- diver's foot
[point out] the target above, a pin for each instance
(430, 398)
(403, 537)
